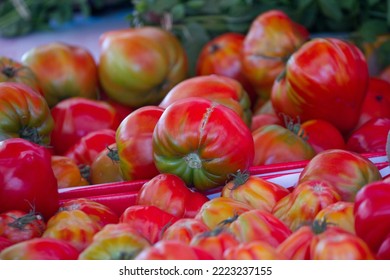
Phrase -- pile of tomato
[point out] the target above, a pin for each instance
(273, 96)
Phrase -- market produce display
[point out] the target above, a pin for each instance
(285, 155)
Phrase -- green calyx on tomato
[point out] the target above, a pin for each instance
(239, 178)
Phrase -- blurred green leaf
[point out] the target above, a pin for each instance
(331, 9)
(370, 29)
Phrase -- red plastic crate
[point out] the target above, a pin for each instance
(120, 195)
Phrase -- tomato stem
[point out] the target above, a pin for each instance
(31, 134)
(239, 179)
(193, 160)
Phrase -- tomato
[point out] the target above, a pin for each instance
(27, 179)
(215, 242)
(384, 250)
(302, 205)
(191, 140)
(376, 104)
(14, 71)
(219, 209)
(321, 240)
(217, 88)
(254, 191)
(105, 167)
(326, 78)
(173, 250)
(322, 135)
(277, 144)
(253, 250)
(184, 230)
(138, 66)
(24, 113)
(88, 147)
(264, 119)
(271, 39)
(258, 224)
(339, 214)
(195, 203)
(54, 249)
(149, 220)
(370, 137)
(67, 172)
(222, 56)
(76, 117)
(347, 171)
(385, 74)
(73, 226)
(17, 225)
(115, 242)
(134, 143)
(98, 212)
(371, 211)
(4, 243)
(63, 70)
(167, 192)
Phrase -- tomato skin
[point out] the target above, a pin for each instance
(326, 78)
(173, 250)
(134, 143)
(31, 249)
(115, 242)
(276, 144)
(322, 135)
(105, 167)
(63, 71)
(98, 212)
(384, 250)
(370, 137)
(217, 88)
(149, 220)
(253, 250)
(138, 66)
(4, 243)
(184, 230)
(73, 226)
(167, 192)
(189, 140)
(339, 214)
(67, 172)
(76, 117)
(20, 187)
(347, 171)
(255, 191)
(24, 113)
(372, 210)
(88, 147)
(14, 71)
(263, 119)
(271, 38)
(17, 225)
(304, 202)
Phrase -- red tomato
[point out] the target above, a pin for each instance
(254, 191)
(322, 135)
(63, 71)
(27, 179)
(217, 88)
(88, 147)
(376, 104)
(347, 171)
(384, 250)
(372, 214)
(173, 250)
(191, 140)
(76, 117)
(215, 242)
(263, 119)
(98, 212)
(4, 243)
(73, 226)
(115, 242)
(167, 192)
(184, 230)
(17, 225)
(149, 220)
(67, 172)
(371, 137)
(253, 250)
(195, 203)
(326, 78)
(222, 56)
(54, 249)
(24, 113)
(276, 144)
(339, 214)
(257, 224)
(271, 38)
(134, 143)
(302, 205)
